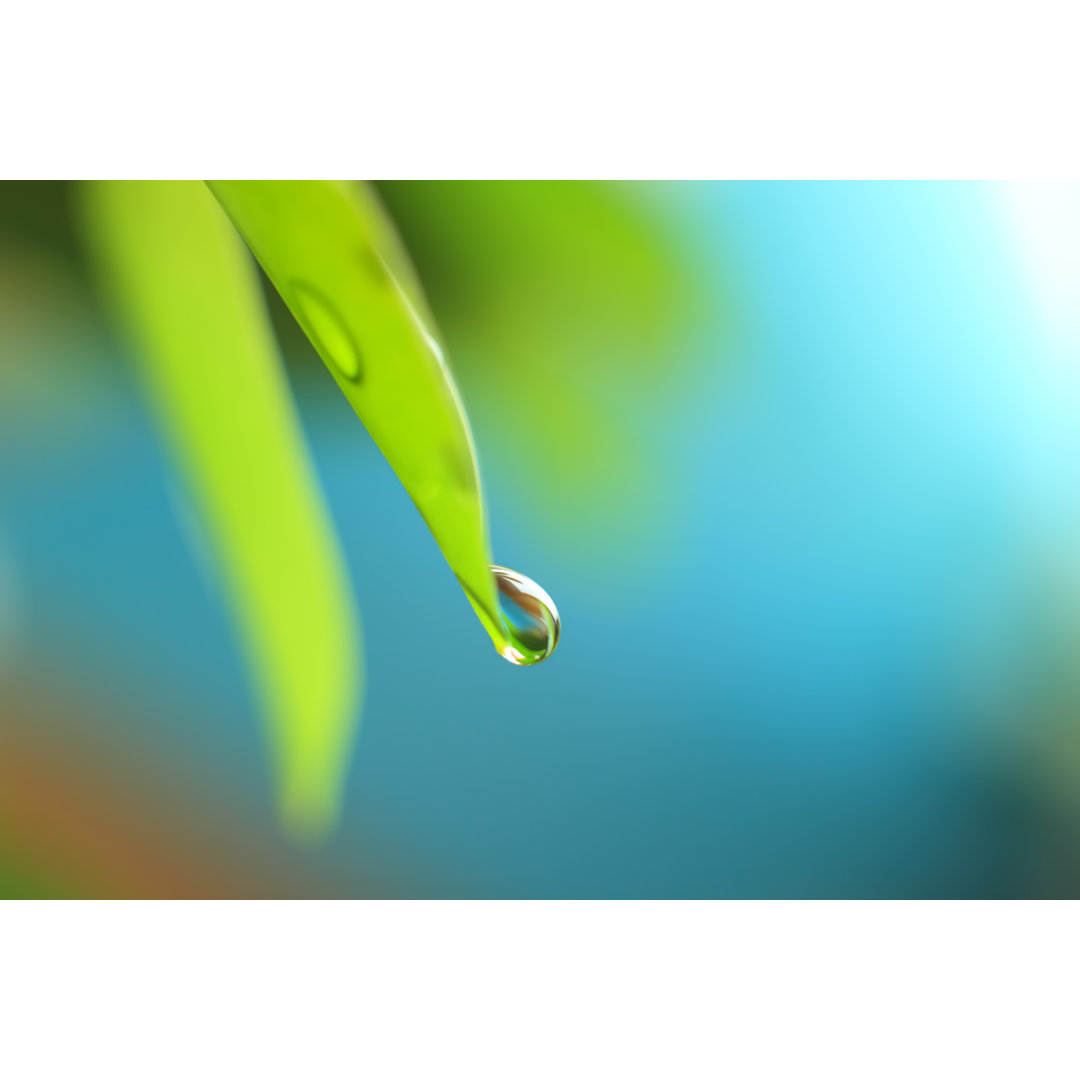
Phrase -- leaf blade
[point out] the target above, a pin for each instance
(186, 291)
(337, 263)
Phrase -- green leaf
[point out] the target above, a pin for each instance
(336, 260)
(188, 294)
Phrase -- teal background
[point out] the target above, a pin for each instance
(821, 644)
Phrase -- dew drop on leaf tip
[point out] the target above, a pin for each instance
(530, 618)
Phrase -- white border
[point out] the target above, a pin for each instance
(838, 88)
(517, 991)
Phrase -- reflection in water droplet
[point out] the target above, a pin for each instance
(530, 618)
(325, 325)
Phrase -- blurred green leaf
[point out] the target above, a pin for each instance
(188, 294)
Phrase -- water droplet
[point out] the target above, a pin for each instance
(530, 618)
(327, 328)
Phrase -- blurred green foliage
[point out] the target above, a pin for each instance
(186, 291)
(567, 305)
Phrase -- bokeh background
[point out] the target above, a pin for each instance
(800, 464)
